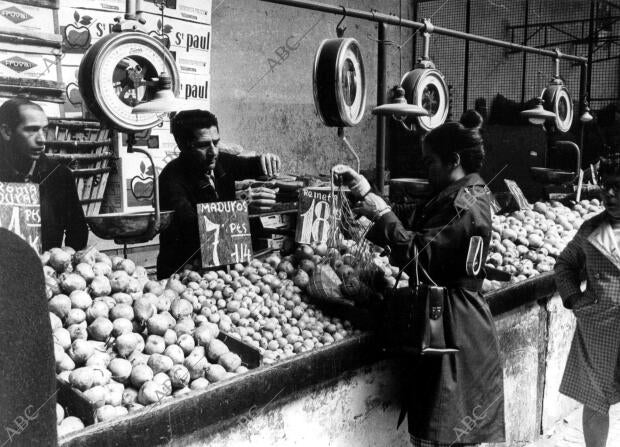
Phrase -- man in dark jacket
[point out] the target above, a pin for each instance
(27, 376)
(202, 174)
(22, 131)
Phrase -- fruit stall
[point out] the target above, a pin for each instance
(276, 344)
(192, 354)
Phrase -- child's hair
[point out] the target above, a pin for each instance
(609, 167)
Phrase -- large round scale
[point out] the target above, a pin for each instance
(339, 82)
(114, 74)
(557, 100)
(427, 88)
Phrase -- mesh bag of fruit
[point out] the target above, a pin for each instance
(347, 274)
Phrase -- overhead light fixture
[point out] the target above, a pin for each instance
(163, 100)
(538, 115)
(399, 109)
(586, 116)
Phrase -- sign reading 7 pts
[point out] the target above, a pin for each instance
(224, 229)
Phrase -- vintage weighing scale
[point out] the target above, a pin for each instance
(556, 106)
(339, 85)
(129, 81)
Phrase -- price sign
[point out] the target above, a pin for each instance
(517, 194)
(20, 211)
(314, 215)
(224, 229)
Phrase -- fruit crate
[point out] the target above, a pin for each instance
(86, 148)
(77, 404)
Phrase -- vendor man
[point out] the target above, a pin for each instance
(22, 133)
(202, 174)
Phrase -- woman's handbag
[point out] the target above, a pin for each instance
(417, 320)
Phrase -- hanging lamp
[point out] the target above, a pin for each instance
(398, 108)
(538, 115)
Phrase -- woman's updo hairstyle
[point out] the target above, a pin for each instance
(462, 138)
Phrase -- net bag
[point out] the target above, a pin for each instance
(347, 274)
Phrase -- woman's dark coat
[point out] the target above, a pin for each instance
(459, 397)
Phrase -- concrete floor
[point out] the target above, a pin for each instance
(568, 431)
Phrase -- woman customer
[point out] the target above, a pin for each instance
(455, 399)
(592, 373)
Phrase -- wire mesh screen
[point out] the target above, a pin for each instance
(489, 70)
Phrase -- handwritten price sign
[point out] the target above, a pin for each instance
(20, 211)
(314, 215)
(224, 229)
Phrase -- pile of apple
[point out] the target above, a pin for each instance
(66, 424)
(127, 342)
(526, 243)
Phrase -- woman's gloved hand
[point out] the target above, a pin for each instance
(259, 199)
(372, 206)
(357, 183)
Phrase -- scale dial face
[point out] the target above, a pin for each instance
(426, 87)
(351, 85)
(556, 99)
(563, 108)
(339, 82)
(113, 75)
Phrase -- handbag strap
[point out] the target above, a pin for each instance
(417, 267)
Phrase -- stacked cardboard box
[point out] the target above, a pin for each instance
(30, 53)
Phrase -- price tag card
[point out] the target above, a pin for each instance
(224, 229)
(20, 211)
(517, 194)
(314, 216)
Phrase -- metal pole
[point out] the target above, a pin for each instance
(381, 99)
(524, 71)
(583, 88)
(590, 46)
(466, 68)
(393, 20)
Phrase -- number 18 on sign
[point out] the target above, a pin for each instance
(224, 229)
(314, 215)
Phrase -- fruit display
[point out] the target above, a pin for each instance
(66, 424)
(127, 342)
(526, 243)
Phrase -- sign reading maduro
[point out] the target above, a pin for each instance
(224, 229)
(20, 211)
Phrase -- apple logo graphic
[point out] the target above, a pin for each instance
(162, 34)
(73, 94)
(77, 35)
(142, 184)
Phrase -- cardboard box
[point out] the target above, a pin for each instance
(20, 17)
(196, 88)
(80, 28)
(198, 11)
(182, 35)
(136, 175)
(192, 10)
(29, 65)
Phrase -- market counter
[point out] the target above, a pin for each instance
(346, 394)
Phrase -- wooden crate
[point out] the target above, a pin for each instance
(86, 148)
